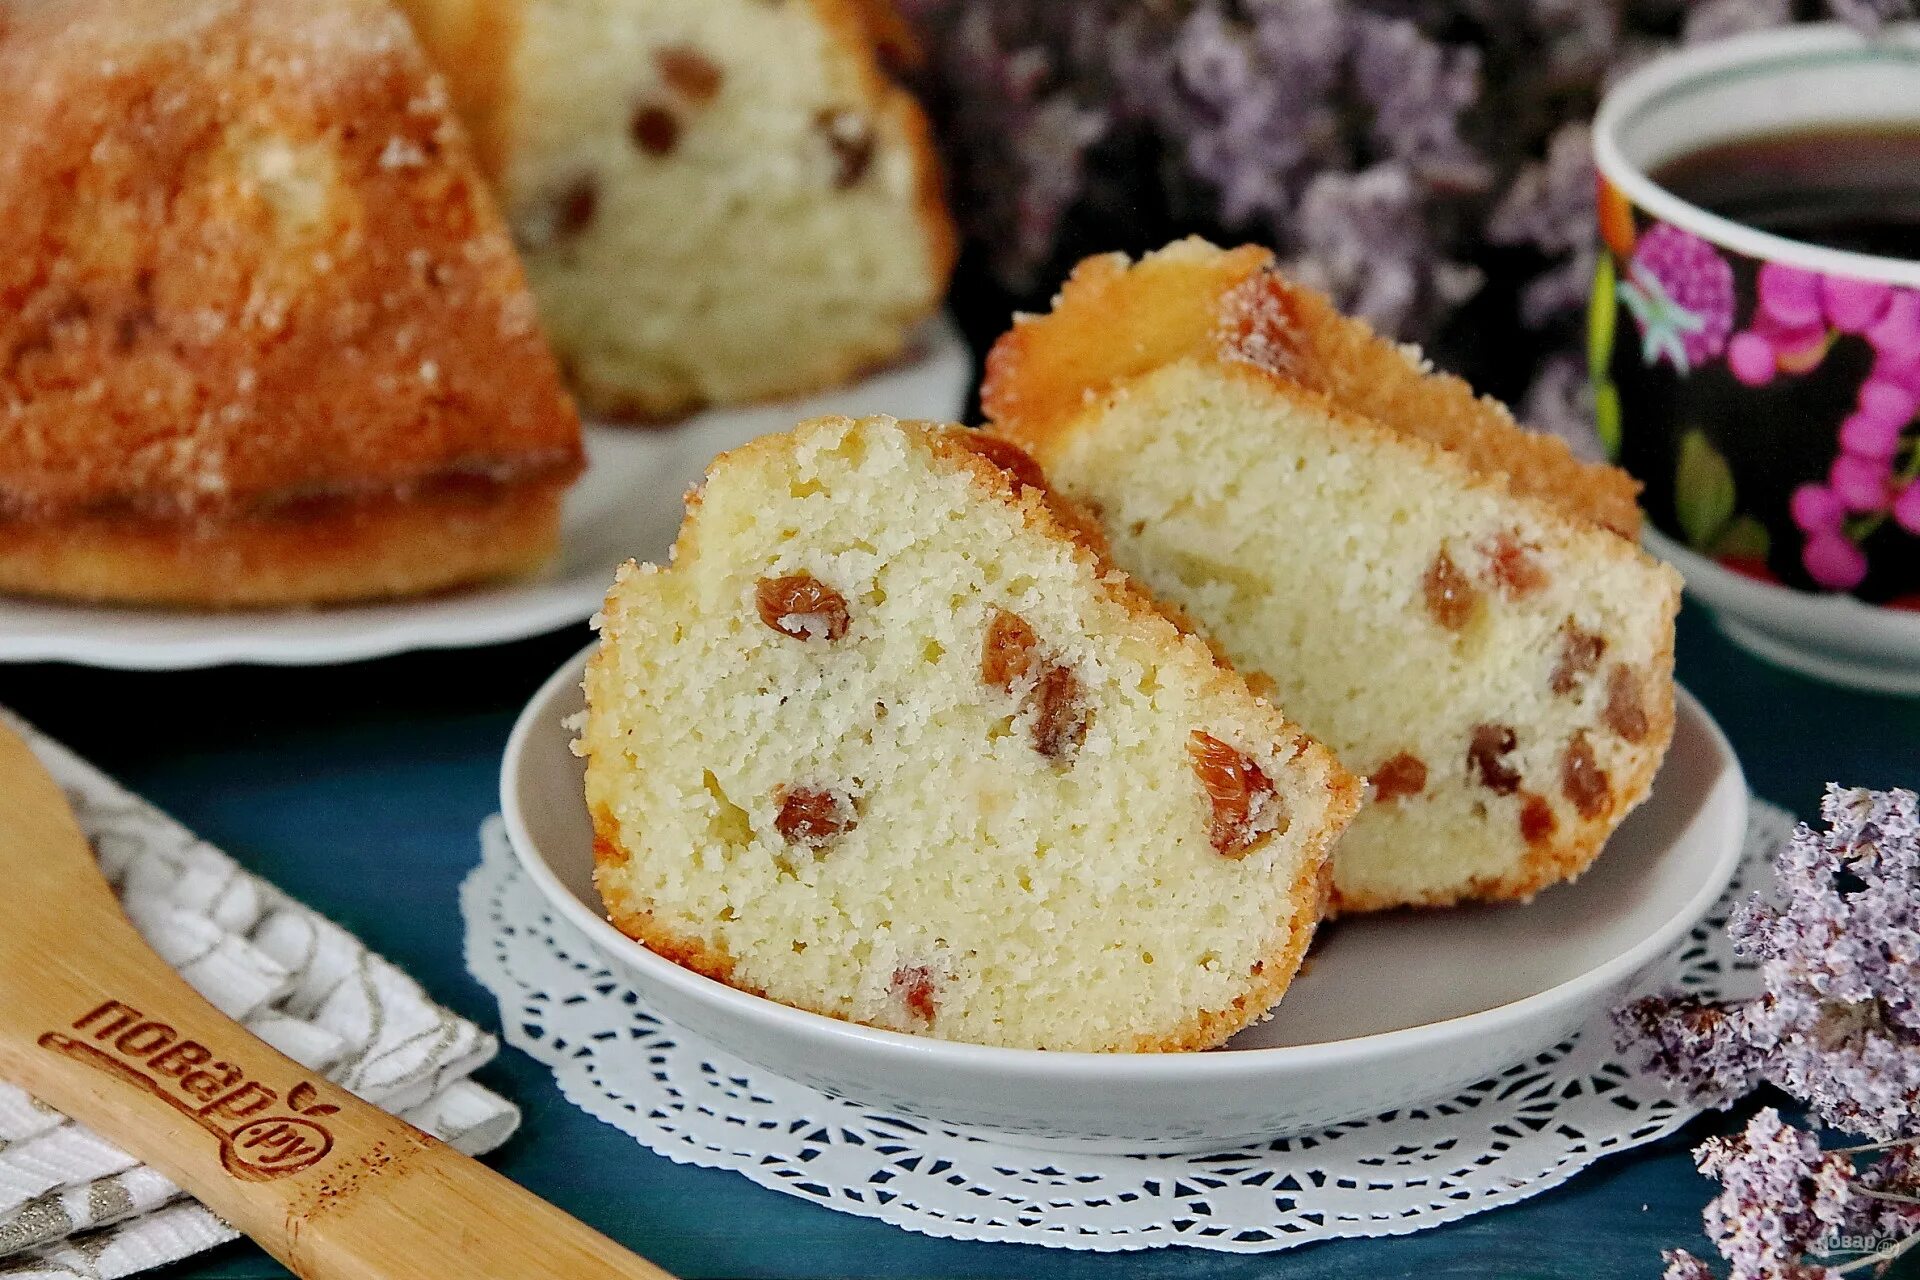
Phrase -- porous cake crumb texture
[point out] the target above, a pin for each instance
(718, 200)
(1481, 644)
(889, 742)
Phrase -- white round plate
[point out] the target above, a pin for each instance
(1391, 1010)
(626, 505)
(1829, 637)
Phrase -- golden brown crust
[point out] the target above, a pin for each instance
(1234, 307)
(311, 552)
(250, 259)
(892, 36)
(472, 42)
(1044, 514)
(1117, 322)
(639, 924)
(1213, 1027)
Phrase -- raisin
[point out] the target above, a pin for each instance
(1004, 454)
(1257, 325)
(688, 72)
(1239, 792)
(1583, 780)
(1451, 598)
(1399, 775)
(1487, 753)
(1006, 658)
(851, 139)
(1537, 823)
(654, 130)
(913, 985)
(1060, 716)
(1580, 653)
(802, 606)
(129, 325)
(574, 211)
(1514, 569)
(811, 817)
(1625, 713)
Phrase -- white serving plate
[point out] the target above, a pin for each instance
(1829, 637)
(627, 504)
(1392, 1010)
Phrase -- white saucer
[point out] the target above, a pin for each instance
(1392, 1010)
(627, 504)
(1834, 638)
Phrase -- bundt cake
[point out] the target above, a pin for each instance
(1454, 605)
(263, 339)
(890, 741)
(718, 200)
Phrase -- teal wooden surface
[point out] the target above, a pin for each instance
(359, 790)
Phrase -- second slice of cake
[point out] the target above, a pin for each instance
(1453, 604)
(892, 742)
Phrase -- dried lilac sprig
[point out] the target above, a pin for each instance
(1838, 1019)
(1836, 1025)
(1780, 1198)
(1787, 1210)
(1397, 154)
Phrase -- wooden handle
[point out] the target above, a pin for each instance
(93, 1023)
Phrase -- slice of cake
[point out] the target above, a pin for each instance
(718, 200)
(891, 742)
(1453, 604)
(263, 339)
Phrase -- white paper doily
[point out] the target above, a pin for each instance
(1505, 1139)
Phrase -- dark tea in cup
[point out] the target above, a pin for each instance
(1851, 187)
(1755, 335)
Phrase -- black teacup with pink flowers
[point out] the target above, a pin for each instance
(1797, 454)
(1766, 390)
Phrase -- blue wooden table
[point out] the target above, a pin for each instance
(359, 790)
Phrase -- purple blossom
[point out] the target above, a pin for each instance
(1719, 19)
(1871, 1216)
(1561, 401)
(1779, 1196)
(1549, 207)
(1452, 131)
(1834, 1025)
(1361, 240)
(1682, 1265)
(1699, 1047)
(1420, 91)
(1839, 947)
(1838, 1020)
(1871, 14)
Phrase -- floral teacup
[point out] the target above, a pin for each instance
(1765, 390)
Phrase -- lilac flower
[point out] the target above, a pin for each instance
(1452, 131)
(1873, 1215)
(1682, 1265)
(1779, 1196)
(1252, 107)
(1698, 1047)
(1719, 19)
(1838, 1023)
(1835, 1026)
(1840, 962)
(1420, 90)
(1561, 401)
(1872, 13)
(1549, 207)
(1361, 240)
